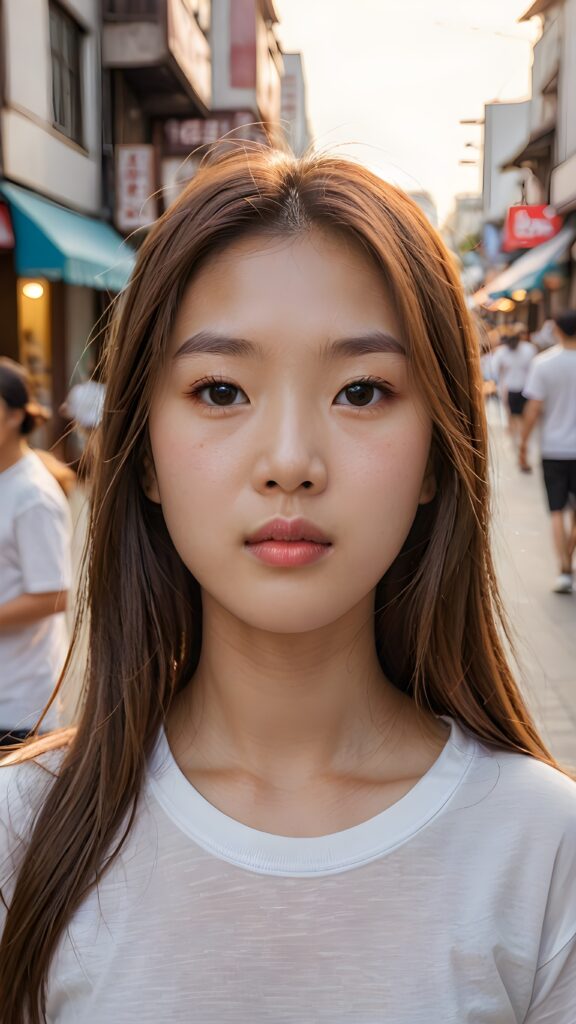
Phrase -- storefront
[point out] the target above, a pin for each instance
(55, 284)
(537, 280)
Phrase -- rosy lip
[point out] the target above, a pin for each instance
(279, 529)
(289, 553)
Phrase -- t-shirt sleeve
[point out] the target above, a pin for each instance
(554, 993)
(43, 537)
(535, 386)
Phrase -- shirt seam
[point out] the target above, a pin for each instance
(557, 953)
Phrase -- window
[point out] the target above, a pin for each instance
(65, 45)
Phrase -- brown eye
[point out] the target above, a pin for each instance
(360, 394)
(222, 394)
(365, 392)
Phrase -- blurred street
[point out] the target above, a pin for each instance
(544, 622)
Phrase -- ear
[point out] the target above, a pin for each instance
(428, 489)
(148, 479)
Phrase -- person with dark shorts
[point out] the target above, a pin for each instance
(551, 394)
(511, 363)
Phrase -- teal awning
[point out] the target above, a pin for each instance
(528, 272)
(60, 245)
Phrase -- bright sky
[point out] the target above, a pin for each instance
(389, 80)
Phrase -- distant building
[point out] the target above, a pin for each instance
(427, 205)
(464, 222)
(178, 78)
(543, 280)
(294, 114)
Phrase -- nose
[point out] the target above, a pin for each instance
(290, 454)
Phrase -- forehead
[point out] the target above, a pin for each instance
(293, 291)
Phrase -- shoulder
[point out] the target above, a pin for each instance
(529, 349)
(25, 781)
(548, 358)
(533, 794)
(38, 487)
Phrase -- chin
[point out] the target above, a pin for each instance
(286, 618)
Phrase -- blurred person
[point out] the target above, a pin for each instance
(550, 392)
(546, 337)
(305, 785)
(83, 406)
(510, 364)
(35, 536)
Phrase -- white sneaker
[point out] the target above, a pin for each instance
(563, 584)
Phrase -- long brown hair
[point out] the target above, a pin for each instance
(438, 616)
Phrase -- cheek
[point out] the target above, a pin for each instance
(390, 469)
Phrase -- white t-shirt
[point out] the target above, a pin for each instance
(510, 365)
(456, 904)
(552, 380)
(35, 536)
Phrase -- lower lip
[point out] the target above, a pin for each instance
(292, 552)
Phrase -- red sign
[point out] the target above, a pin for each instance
(527, 226)
(6, 233)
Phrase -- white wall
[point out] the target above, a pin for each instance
(506, 128)
(566, 123)
(35, 154)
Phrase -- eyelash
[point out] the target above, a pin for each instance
(218, 410)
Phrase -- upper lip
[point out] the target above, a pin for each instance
(288, 529)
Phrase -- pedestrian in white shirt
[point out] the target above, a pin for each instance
(510, 365)
(550, 391)
(304, 785)
(35, 534)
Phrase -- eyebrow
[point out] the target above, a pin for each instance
(221, 344)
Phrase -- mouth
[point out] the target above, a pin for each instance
(290, 531)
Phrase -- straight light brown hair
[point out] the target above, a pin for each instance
(439, 623)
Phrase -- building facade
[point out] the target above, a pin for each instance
(542, 281)
(179, 75)
(59, 262)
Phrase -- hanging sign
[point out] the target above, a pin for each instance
(135, 202)
(184, 134)
(527, 226)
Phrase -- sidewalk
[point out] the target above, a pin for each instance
(544, 623)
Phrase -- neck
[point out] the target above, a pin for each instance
(11, 452)
(294, 705)
(568, 343)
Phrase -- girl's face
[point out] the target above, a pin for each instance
(286, 394)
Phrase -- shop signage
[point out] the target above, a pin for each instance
(184, 134)
(135, 202)
(527, 226)
(6, 232)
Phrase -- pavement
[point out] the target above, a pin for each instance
(543, 623)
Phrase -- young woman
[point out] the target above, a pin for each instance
(304, 785)
(35, 534)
